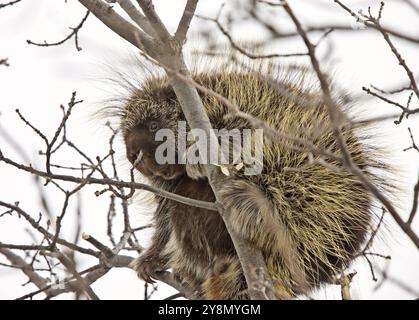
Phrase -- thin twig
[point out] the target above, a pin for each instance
(74, 33)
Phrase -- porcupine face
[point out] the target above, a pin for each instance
(148, 113)
(141, 145)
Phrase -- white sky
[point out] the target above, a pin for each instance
(40, 79)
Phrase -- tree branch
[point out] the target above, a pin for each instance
(26, 268)
(74, 33)
(185, 21)
(111, 182)
(135, 15)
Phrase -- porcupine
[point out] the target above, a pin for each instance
(308, 220)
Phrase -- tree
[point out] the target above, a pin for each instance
(140, 25)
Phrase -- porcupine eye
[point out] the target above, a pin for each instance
(153, 126)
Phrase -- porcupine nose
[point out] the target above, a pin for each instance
(132, 154)
(135, 146)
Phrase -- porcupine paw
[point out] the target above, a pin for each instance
(146, 267)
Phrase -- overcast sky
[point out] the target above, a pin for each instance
(40, 79)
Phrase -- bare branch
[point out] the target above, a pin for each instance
(345, 284)
(375, 22)
(406, 111)
(4, 62)
(346, 28)
(111, 182)
(154, 20)
(414, 146)
(135, 15)
(45, 232)
(25, 267)
(415, 202)
(81, 283)
(9, 3)
(119, 25)
(74, 33)
(185, 21)
(243, 50)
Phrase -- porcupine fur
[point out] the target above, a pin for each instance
(308, 220)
